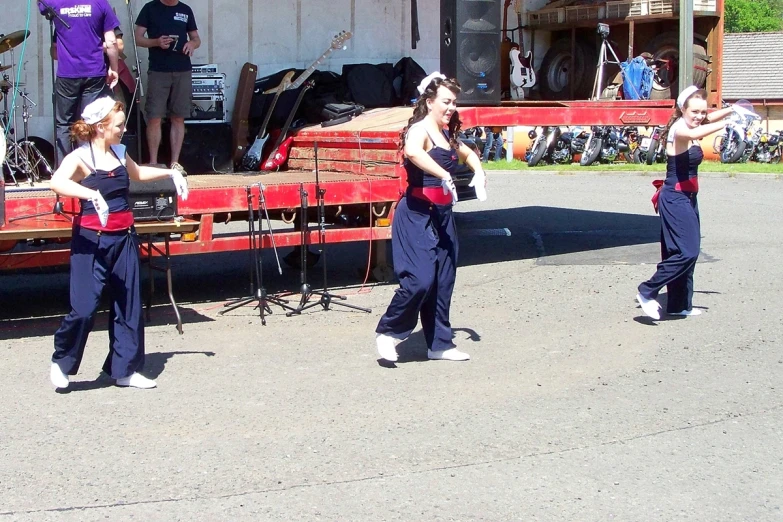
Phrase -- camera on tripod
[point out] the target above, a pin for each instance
(603, 30)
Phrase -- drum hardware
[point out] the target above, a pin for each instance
(9, 41)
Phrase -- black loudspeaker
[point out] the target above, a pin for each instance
(470, 48)
(206, 148)
(153, 200)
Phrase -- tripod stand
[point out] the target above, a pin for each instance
(257, 290)
(603, 30)
(326, 297)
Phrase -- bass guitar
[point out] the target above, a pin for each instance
(252, 158)
(279, 154)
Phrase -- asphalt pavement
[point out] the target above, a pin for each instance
(574, 406)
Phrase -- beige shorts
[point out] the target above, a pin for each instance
(169, 94)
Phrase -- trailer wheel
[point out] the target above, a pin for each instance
(559, 68)
(666, 47)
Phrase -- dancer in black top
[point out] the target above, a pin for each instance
(678, 207)
(104, 247)
(424, 237)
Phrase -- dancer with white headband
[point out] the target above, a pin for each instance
(104, 245)
(678, 207)
(424, 236)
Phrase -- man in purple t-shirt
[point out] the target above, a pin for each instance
(82, 76)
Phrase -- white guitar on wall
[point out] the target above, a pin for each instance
(522, 74)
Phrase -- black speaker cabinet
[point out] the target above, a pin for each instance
(153, 200)
(470, 48)
(207, 148)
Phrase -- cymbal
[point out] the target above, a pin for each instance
(5, 67)
(10, 41)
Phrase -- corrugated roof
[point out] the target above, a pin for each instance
(752, 66)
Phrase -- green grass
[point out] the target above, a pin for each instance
(707, 166)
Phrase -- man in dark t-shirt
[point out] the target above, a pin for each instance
(168, 29)
(82, 75)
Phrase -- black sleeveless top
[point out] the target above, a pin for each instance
(446, 158)
(112, 184)
(684, 166)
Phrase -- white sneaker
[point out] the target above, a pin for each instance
(136, 380)
(452, 354)
(649, 306)
(58, 378)
(687, 313)
(386, 346)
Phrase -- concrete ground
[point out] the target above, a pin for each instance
(574, 407)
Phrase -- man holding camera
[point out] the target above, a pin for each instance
(168, 29)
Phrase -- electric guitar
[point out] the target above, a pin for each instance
(252, 158)
(279, 154)
(522, 73)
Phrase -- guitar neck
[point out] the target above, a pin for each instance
(307, 72)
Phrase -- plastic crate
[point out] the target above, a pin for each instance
(661, 7)
(579, 13)
(546, 16)
(705, 5)
(627, 8)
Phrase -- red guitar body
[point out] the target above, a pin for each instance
(278, 157)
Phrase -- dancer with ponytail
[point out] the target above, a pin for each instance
(424, 236)
(678, 207)
(104, 246)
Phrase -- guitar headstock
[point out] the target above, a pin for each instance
(339, 40)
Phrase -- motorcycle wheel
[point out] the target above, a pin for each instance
(537, 153)
(639, 155)
(733, 150)
(650, 158)
(591, 154)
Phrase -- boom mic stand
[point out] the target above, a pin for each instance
(258, 292)
(326, 297)
(138, 91)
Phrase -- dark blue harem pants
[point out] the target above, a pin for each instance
(424, 252)
(98, 260)
(680, 244)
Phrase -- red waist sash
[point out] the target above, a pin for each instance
(117, 222)
(432, 194)
(691, 185)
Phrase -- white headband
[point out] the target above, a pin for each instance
(426, 81)
(98, 110)
(684, 95)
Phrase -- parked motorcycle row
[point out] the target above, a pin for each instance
(742, 140)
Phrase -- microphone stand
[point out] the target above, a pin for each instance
(138, 91)
(326, 298)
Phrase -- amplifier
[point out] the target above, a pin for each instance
(209, 84)
(153, 200)
(204, 68)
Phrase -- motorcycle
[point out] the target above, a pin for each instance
(652, 150)
(556, 146)
(741, 136)
(604, 145)
(769, 148)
